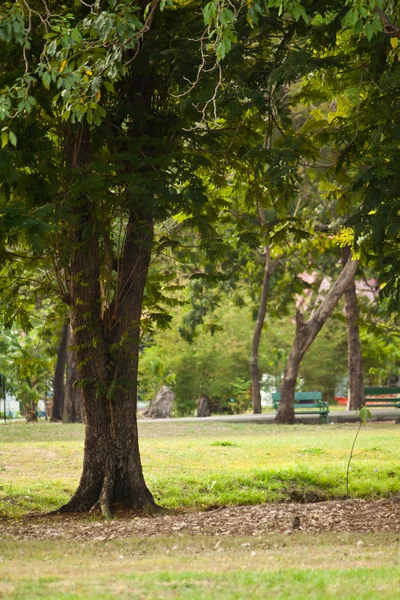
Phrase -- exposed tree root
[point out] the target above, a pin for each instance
(103, 501)
(106, 494)
(285, 419)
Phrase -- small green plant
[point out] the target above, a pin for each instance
(232, 444)
(364, 413)
(311, 451)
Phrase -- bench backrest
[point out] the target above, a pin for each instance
(380, 394)
(300, 397)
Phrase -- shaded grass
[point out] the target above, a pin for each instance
(207, 464)
(275, 566)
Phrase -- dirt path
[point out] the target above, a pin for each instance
(338, 516)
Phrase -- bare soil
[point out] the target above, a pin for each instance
(352, 516)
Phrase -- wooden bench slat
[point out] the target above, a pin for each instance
(382, 396)
(381, 391)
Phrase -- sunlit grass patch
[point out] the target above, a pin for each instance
(198, 465)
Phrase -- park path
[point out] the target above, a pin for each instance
(356, 516)
(335, 416)
(351, 416)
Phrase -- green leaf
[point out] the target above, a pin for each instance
(226, 16)
(109, 86)
(46, 80)
(369, 31)
(165, 3)
(76, 35)
(364, 414)
(4, 139)
(13, 138)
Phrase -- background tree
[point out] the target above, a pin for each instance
(57, 408)
(306, 332)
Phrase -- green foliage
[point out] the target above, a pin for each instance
(27, 359)
(212, 364)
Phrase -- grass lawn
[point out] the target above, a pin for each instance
(275, 566)
(198, 465)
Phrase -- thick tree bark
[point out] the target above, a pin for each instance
(57, 408)
(354, 358)
(254, 359)
(306, 332)
(73, 406)
(106, 340)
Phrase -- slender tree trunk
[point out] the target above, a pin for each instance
(254, 359)
(306, 332)
(73, 406)
(59, 376)
(354, 358)
(285, 412)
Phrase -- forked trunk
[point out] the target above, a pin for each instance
(354, 358)
(106, 341)
(306, 332)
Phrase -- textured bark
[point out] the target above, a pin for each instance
(106, 341)
(354, 358)
(57, 408)
(73, 405)
(254, 362)
(306, 332)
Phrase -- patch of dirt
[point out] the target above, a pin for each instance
(304, 496)
(334, 516)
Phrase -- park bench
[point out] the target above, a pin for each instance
(306, 403)
(382, 396)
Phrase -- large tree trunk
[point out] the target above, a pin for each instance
(57, 408)
(254, 362)
(73, 405)
(354, 358)
(106, 340)
(306, 332)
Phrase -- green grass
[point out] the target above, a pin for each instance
(207, 464)
(313, 567)
(198, 465)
